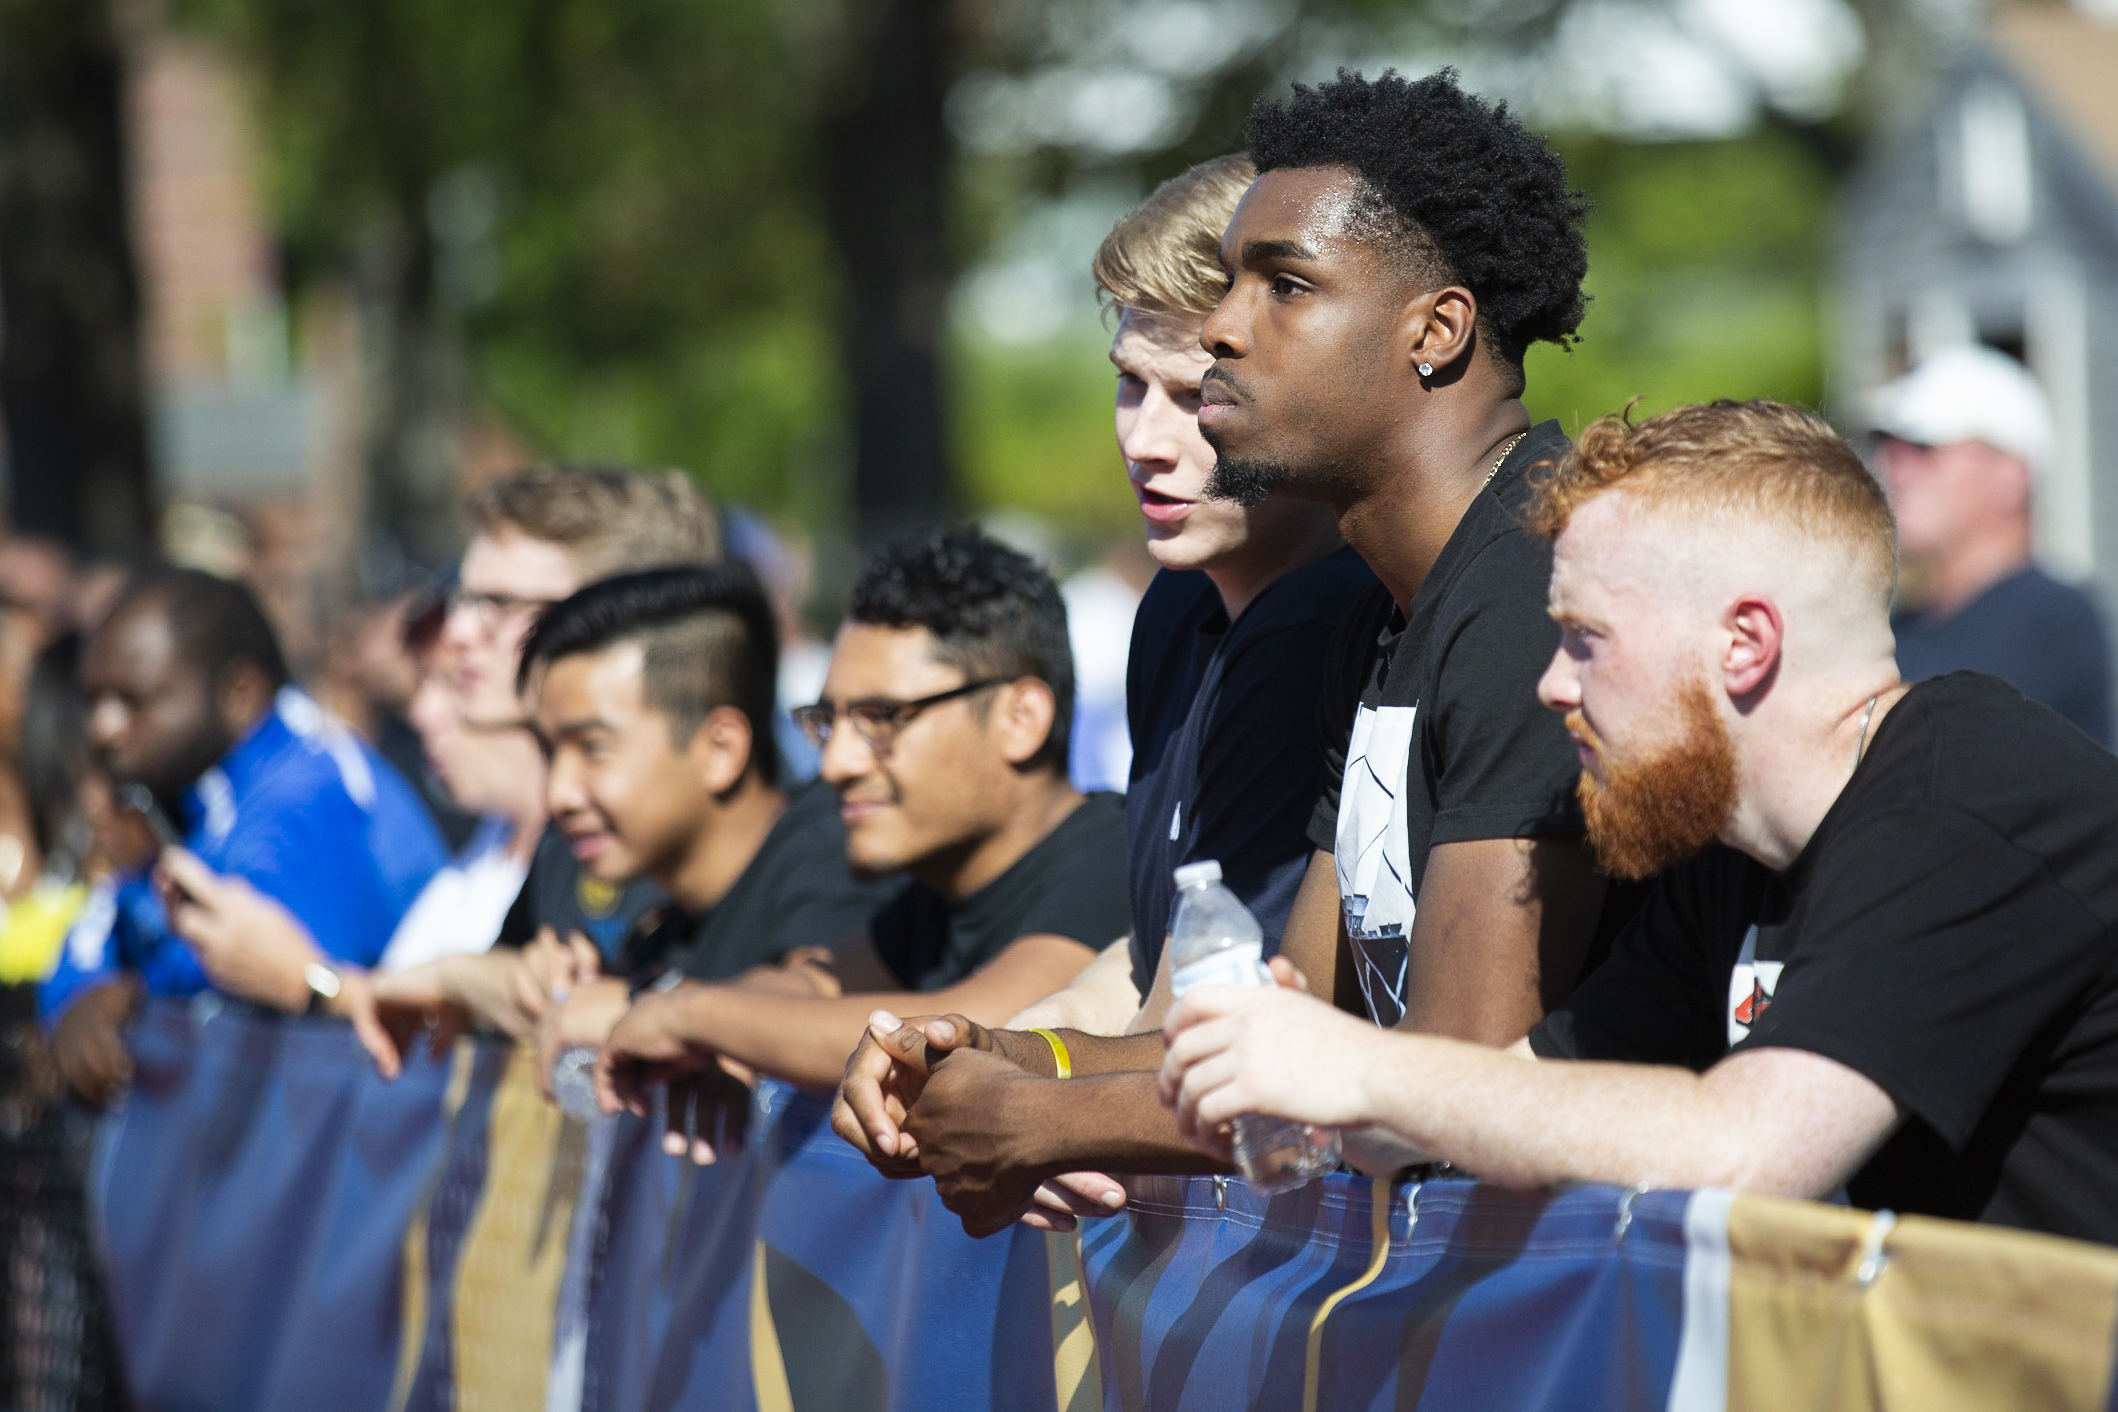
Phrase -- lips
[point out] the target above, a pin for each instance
(1161, 509)
(852, 811)
(587, 844)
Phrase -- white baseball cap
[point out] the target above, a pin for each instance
(1969, 394)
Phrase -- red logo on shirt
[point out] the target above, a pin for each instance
(1754, 1007)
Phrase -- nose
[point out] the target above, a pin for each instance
(1223, 335)
(565, 789)
(846, 756)
(1149, 438)
(106, 723)
(1560, 686)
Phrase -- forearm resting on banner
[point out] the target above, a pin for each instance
(1781, 1122)
(804, 1039)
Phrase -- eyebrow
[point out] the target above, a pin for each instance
(1255, 251)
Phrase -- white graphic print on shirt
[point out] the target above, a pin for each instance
(1373, 855)
(1750, 988)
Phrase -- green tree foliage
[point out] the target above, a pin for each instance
(608, 201)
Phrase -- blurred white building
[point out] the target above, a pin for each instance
(1994, 219)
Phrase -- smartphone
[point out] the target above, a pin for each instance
(140, 800)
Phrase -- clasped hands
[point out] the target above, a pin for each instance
(928, 1097)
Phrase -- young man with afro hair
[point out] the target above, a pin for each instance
(1404, 244)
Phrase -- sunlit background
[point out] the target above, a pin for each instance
(281, 278)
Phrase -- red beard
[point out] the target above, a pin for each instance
(1645, 815)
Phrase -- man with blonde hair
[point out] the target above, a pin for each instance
(1879, 954)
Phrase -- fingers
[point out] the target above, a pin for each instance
(356, 1001)
(534, 990)
(587, 960)
(689, 1121)
(862, 1114)
(1288, 974)
(1088, 1193)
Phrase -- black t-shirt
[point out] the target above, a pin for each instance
(1948, 932)
(1071, 884)
(797, 891)
(557, 894)
(2039, 635)
(1435, 733)
(1224, 739)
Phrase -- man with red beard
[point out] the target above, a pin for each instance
(1881, 955)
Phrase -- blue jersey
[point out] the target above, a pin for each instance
(306, 813)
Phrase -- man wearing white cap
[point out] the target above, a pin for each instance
(1964, 436)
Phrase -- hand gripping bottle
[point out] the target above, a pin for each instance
(1215, 941)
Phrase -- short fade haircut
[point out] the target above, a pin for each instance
(216, 623)
(1163, 257)
(991, 611)
(708, 640)
(610, 519)
(1455, 185)
(1745, 462)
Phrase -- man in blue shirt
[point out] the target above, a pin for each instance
(1964, 437)
(188, 696)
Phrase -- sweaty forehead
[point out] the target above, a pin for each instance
(1311, 207)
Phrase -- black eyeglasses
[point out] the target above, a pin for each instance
(490, 610)
(877, 719)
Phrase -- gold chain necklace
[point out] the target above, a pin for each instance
(1505, 451)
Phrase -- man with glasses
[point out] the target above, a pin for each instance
(943, 731)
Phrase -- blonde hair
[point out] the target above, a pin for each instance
(1163, 257)
(610, 520)
(1742, 462)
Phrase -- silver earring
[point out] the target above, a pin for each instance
(1426, 370)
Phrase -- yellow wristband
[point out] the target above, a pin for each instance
(1062, 1061)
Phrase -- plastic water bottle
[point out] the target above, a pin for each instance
(1215, 941)
(574, 1083)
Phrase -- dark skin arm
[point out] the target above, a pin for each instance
(1501, 932)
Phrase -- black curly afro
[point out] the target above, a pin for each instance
(992, 611)
(1456, 184)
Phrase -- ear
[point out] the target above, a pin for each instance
(720, 749)
(1756, 632)
(1442, 324)
(1022, 716)
(240, 697)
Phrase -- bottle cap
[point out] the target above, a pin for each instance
(1198, 874)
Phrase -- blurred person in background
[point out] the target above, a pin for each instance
(374, 662)
(943, 730)
(189, 697)
(786, 569)
(1964, 437)
(538, 537)
(1227, 649)
(1102, 601)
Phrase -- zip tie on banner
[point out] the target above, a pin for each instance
(1875, 1259)
(1412, 1211)
(1625, 1213)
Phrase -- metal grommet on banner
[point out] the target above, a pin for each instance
(1412, 1210)
(1874, 1259)
(1625, 1214)
(1220, 1193)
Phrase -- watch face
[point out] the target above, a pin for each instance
(323, 981)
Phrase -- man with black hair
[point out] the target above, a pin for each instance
(1403, 246)
(653, 696)
(943, 730)
(189, 697)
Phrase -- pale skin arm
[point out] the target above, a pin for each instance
(805, 1039)
(1777, 1122)
(1101, 1000)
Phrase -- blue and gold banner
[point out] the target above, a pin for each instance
(280, 1229)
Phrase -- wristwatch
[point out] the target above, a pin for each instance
(324, 986)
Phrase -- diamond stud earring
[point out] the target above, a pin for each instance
(1426, 370)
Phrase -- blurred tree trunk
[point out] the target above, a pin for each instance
(886, 167)
(414, 381)
(70, 377)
